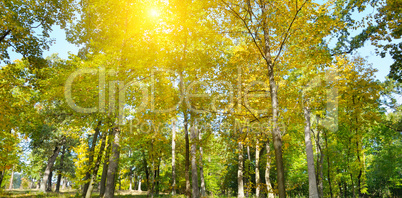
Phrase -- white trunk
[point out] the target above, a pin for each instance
(174, 158)
(257, 168)
(240, 186)
(267, 169)
(202, 170)
(312, 183)
(139, 184)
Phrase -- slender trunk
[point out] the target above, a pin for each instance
(146, 168)
(328, 164)
(91, 159)
(157, 177)
(312, 183)
(240, 187)
(49, 182)
(1, 177)
(270, 193)
(113, 165)
(187, 159)
(96, 168)
(257, 168)
(201, 169)
(360, 171)
(64, 185)
(320, 161)
(353, 185)
(10, 187)
(59, 171)
(194, 174)
(105, 166)
(276, 133)
(49, 167)
(248, 171)
(131, 182)
(174, 158)
(139, 184)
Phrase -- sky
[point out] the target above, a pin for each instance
(63, 48)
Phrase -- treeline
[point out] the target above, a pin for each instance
(201, 98)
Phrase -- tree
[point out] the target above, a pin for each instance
(22, 18)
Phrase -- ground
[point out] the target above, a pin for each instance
(65, 194)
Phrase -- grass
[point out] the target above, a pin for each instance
(72, 193)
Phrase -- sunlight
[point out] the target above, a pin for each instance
(154, 12)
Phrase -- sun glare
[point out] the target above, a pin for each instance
(154, 12)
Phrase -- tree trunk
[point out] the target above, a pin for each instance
(59, 171)
(187, 159)
(38, 185)
(328, 164)
(174, 158)
(194, 174)
(91, 159)
(270, 193)
(113, 165)
(49, 182)
(139, 184)
(49, 167)
(131, 182)
(320, 161)
(10, 187)
(202, 169)
(96, 168)
(248, 178)
(312, 183)
(276, 133)
(146, 168)
(105, 167)
(240, 187)
(1, 176)
(257, 168)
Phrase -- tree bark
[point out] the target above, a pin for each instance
(146, 168)
(91, 159)
(194, 174)
(1, 177)
(49, 182)
(174, 158)
(320, 161)
(105, 167)
(139, 183)
(248, 178)
(257, 168)
(202, 169)
(113, 165)
(49, 167)
(187, 163)
(270, 193)
(312, 183)
(96, 168)
(59, 171)
(328, 165)
(10, 187)
(276, 133)
(240, 186)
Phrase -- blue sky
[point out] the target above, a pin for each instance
(63, 47)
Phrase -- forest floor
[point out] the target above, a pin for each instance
(20, 193)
